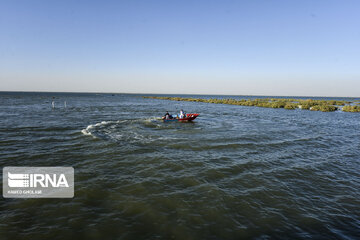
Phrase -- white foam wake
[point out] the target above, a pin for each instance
(87, 130)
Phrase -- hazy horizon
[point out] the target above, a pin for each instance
(259, 48)
(190, 94)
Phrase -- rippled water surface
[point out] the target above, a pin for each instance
(235, 173)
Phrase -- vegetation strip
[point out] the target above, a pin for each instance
(290, 104)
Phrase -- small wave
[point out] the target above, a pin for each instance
(87, 130)
(152, 119)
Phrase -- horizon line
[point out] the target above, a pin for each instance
(208, 94)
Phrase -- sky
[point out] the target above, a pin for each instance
(254, 47)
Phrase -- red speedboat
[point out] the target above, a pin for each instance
(189, 117)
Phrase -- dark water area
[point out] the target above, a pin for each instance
(235, 173)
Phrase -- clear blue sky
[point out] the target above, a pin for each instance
(268, 47)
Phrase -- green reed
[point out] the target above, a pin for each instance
(286, 103)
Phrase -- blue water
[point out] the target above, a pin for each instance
(235, 173)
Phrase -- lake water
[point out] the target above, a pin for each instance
(235, 173)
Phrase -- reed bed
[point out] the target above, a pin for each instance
(286, 103)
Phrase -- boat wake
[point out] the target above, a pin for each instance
(130, 131)
(90, 128)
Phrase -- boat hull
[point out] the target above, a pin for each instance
(189, 117)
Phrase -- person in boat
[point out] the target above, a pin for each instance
(167, 116)
(182, 114)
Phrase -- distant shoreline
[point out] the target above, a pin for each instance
(182, 94)
(285, 103)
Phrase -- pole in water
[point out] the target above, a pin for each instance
(53, 102)
(65, 104)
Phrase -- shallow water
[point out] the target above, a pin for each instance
(235, 173)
